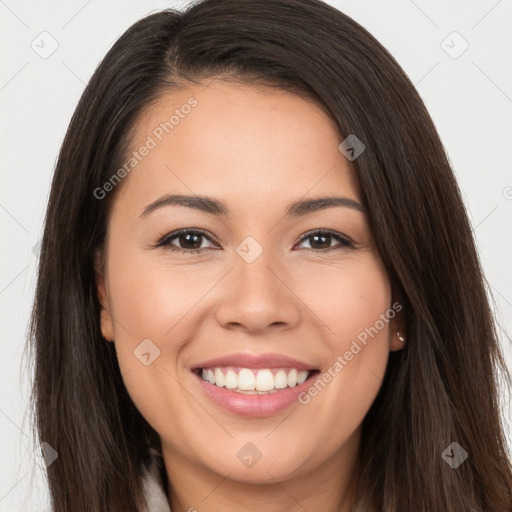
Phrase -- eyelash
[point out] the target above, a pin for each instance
(165, 241)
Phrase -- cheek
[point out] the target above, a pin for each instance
(347, 298)
(361, 323)
(357, 305)
(153, 298)
(152, 303)
(354, 307)
(156, 307)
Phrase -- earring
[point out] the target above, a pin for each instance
(401, 338)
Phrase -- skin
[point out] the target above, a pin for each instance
(257, 150)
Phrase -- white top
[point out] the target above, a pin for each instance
(153, 490)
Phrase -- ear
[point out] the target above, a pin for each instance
(106, 320)
(397, 324)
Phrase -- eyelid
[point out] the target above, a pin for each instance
(164, 241)
(347, 242)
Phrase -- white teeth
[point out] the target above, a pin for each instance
(264, 380)
(292, 377)
(249, 381)
(219, 378)
(301, 377)
(280, 379)
(231, 381)
(246, 380)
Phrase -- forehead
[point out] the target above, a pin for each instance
(252, 146)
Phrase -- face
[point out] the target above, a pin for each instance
(273, 294)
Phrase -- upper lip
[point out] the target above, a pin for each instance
(245, 360)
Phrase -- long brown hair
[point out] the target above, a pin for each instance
(441, 388)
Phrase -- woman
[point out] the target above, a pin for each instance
(287, 146)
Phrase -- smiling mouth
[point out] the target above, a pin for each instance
(252, 381)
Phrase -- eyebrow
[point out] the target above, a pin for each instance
(218, 208)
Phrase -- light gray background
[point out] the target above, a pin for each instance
(469, 98)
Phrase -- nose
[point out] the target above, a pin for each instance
(258, 296)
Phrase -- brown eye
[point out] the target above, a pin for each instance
(188, 240)
(321, 240)
(191, 241)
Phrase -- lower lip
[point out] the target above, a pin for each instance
(255, 405)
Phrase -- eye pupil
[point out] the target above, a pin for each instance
(186, 239)
(314, 244)
(191, 241)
